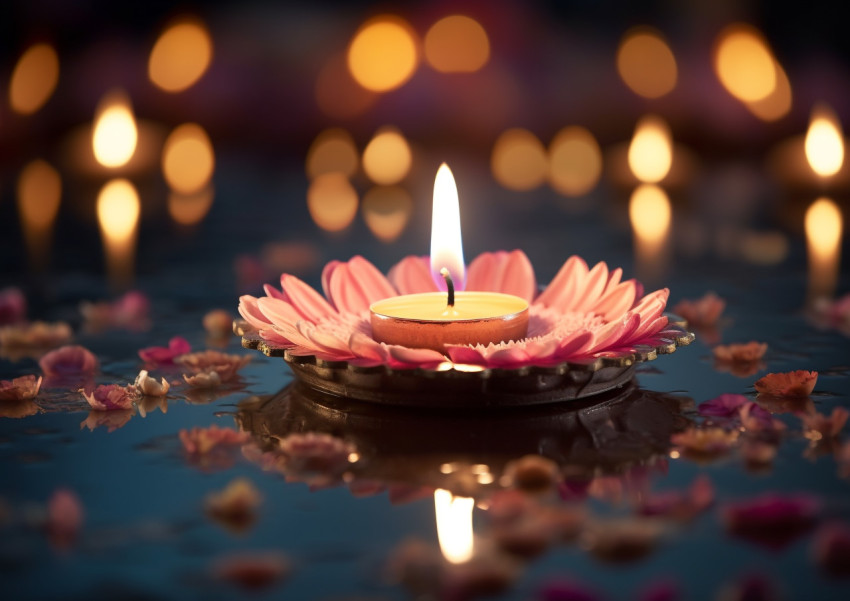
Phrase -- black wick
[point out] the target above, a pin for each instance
(450, 285)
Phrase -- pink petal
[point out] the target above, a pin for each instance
(250, 312)
(412, 275)
(415, 357)
(64, 517)
(161, 355)
(592, 288)
(306, 301)
(794, 384)
(364, 346)
(13, 306)
(278, 312)
(466, 355)
(617, 300)
(327, 272)
(506, 272)
(561, 291)
(355, 285)
(68, 360)
(273, 292)
(726, 405)
(574, 345)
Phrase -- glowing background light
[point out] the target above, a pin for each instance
(744, 63)
(646, 63)
(824, 142)
(454, 525)
(190, 209)
(650, 215)
(457, 44)
(777, 104)
(446, 242)
(187, 159)
(118, 210)
(332, 201)
(387, 157)
(651, 150)
(34, 79)
(386, 211)
(338, 95)
(180, 56)
(115, 134)
(333, 151)
(39, 192)
(383, 54)
(519, 161)
(575, 161)
(824, 226)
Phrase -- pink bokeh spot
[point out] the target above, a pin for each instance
(165, 355)
(584, 313)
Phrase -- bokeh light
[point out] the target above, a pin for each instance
(824, 225)
(387, 157)
(744, 63)
(332, 201)
(338, 95)
(646, 63)
(650, 214)
(383, 54)
(519, 160)
(118, 209)
(386, 211)
(457, 44)
(187, 159)
(34, 79)
(180, 56)
(575, 161)
(39, 194)
(777, 104)
(454, 525)
(190, 209)
(115, 135)
(651, 150)
(333, 151)
(824, 142)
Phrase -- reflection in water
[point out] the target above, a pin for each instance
(39, 194)
(454, 525)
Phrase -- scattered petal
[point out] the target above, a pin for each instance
(20, 389)
(532, 473)
(200, 441)
(13, 306)
(236, 506)
(35, 335)
(203, 380)
(818, 426)
(68, 361)
(756, 419)
(740, 353)
(726, 405)
(130, 312)
(317, 452)
(772, 519)
(705, 441)
(64, 518)
(223, 364)
(682, 506)
(148, 386)
(702, 312)
(621, 540)
(252, 571)
(218, 323)
(165, 355)
(842, 457)
(110, 397)
(111, 420)
(795, 384)
(758, 453)
(831, 549)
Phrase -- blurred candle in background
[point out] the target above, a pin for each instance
(34, 79)
(824, 143)
(824, 225)
(181, 55)
(39, 193)
(118, 209)
(454, 525)
(651, 150)
(114, 136)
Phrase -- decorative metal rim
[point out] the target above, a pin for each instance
(641, 354)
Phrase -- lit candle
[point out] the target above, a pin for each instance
(436, 319)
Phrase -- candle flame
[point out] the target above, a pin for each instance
(651, 150)
(454, 525)
(446, 243)
(115, 134)
(824, 143)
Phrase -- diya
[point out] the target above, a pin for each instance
(433, 333)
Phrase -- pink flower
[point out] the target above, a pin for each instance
(253, 571)
(165, 355)
(208, 362)
(740, 353)
(772, 519)
(703, 312)
(682, 506)
(64, 518)
(129, 312)
(69, 361)
(200, 441)
(795, 384)
(35, 335)
(13, 306)
(831, 549)
(818, 426)
(726, 405)
(110, 397)
(20, 389)
(317, 452)
(583, 313)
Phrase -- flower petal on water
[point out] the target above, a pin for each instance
(20, 389)
(796, 384)
(68, 361)
(165, 355)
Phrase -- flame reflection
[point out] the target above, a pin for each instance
(34, 79)
(39, 193)
(650, 215)
(333, 151)
(118, 210)
(386, 211)
(115, 134)
(332, 201)
(187, 159)
(824, 225)
(190, 209)
(454, 525)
